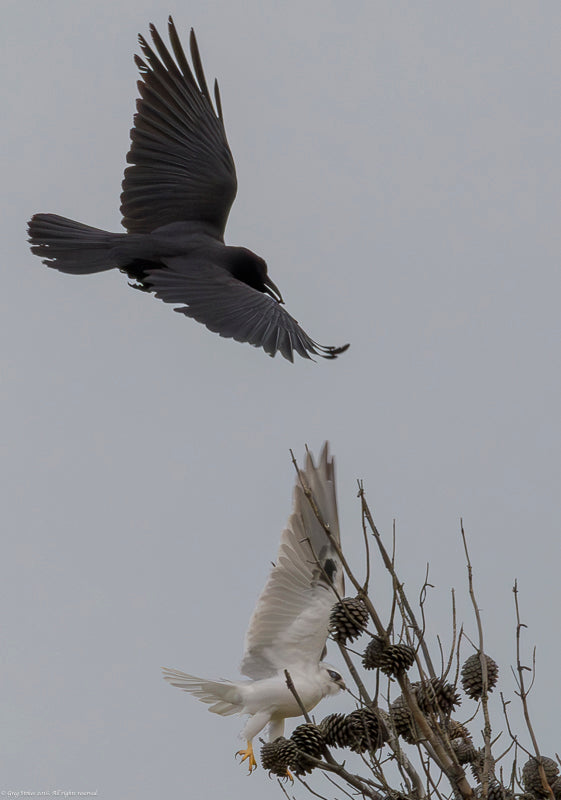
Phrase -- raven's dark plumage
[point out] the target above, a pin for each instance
(176, 197)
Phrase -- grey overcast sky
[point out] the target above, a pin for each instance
(399, 169)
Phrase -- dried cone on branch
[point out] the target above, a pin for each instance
(556, 786)
(308, 739)
(495, 791)
(397, 657)
(477, 765)
(370, 731)
(360, 730)
(372, 656)
(336, 731)
(465, 750)
(277, 755)
(301, 764)
(402, 721)
(436, 696)
(349, 618)
(390, 658)
(460, 739)
(472, 676)
(394, 795)
(531, 777)
(456, 730)
(309, 742)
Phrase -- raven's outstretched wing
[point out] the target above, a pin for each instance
(182, 168)
(232, 308)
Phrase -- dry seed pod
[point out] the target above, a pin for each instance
(456, 730)
(372, 656)
(361, 730)
(477, 765)
(368, 729)
(308, 739)
(393, 795)
(336, 731)
(397, 657)
(349, 618)
(495, 791)
(301, 763)
(531, 777)
(436, 696)
(277, 755)
(472, 676)
(309, 742)
(390, 658)
(556, 788)
(465, 750)
(402, 721)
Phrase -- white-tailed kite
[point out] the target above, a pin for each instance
(289, 627)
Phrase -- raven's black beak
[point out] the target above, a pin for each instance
(271, 289)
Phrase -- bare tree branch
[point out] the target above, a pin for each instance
(484, 676)
(414, 750)
(524, 694)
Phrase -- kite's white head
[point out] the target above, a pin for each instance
(332, 680)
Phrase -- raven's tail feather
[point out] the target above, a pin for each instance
(72, 247)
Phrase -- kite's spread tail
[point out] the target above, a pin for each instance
(223, 697)
(71, 246)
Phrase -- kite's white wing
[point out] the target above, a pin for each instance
(289, 626)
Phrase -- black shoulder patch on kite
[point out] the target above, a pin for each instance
(330, 569)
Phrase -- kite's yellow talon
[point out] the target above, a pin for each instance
(289, 775)
(248, 753)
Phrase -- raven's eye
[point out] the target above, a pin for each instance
(334, 675)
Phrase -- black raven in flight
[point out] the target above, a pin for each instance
(177, 193)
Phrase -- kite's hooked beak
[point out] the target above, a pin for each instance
(271, 289)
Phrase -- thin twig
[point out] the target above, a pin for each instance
(524, 694)
(284, 790)
(309, 788)
(389, 626)
(366, 546)
(457, 670)
(504, 753)
(292, 688)
(441, 651)
(430, 780)
(454, 631)
(509, 729)
(484, 677)
(363, 785)
(404, 764)
(422, 601)
(391, 570)
(365, 697)
(341, 789)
